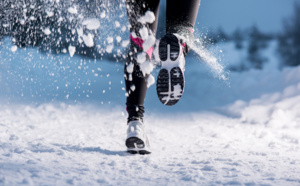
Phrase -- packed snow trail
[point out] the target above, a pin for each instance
(84, 145)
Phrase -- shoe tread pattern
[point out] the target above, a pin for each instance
(130, 143)
(172, 78)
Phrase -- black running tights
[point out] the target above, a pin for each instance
(180, 13)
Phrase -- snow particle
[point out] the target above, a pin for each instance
(118, 38)
(49, 13)
(150, 80)
(14, 48)
(144, 33)
(47, 31)
(141, 57)
(110, 40)
(149, 43)
(146, 67)
(125, 43)
(79, 32)
(102, 15)
(129, 68)
(88, 40)
(22, 21)
(72, 10)
(117, 24)
(132, 87)
(72, 50)
(109, 48)
(149, 17)
(91, 24)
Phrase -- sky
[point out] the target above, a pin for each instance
(268, 15)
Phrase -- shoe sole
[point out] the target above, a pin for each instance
(170, 79)
(136, 146)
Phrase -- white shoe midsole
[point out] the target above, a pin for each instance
(169, 64)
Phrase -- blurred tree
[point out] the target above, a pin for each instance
(257, 42)
(238, 38)
(289, 40)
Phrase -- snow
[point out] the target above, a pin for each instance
(109, 48)
(72, 50)
(118, 38)
(149, 17)
(14, 48)
(123, 28)
(91, 24)
(150, 80)
(146, 67)
(102, 15)
(132, 88)
(80, 31)
(141, 57)
(110, 40)
(72, 10)
(60, 124)
(88, 40)
(149, 43)
(117, 24)
(49, 13)
(125, 43)
(22, 21)
(47, 31)
(83, 144)
(130, 67)
(144, 33)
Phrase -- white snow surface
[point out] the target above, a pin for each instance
(83, 145)
(63, 122)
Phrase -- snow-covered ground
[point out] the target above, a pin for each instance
(84, 145)
(63, 121)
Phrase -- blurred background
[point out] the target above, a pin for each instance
(253, 43)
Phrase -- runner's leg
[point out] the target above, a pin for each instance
(136, 82)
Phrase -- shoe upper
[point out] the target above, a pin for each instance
(136, 129)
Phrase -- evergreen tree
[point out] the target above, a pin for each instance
(238, 38)
(258, 41)
(289, 41)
